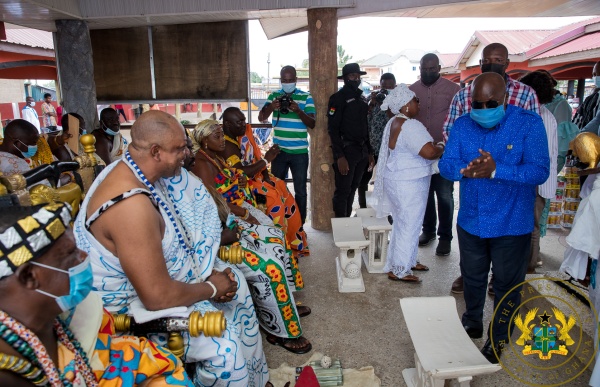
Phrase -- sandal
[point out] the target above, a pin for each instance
(283, 342)
(303, 311)
(420, 267)
(407, 278)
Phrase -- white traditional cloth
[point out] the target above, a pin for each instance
(583, 240)
(29, 114)
(119, 147)
(11, 164)
(401, 189)
(548, 189)
(397, 97)
(236, 358)
(401, 163)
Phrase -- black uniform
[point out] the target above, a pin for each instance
(349, 135)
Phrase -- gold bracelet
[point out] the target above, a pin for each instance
(246, 215)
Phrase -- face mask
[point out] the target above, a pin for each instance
(80, 284)
(352, 84)
(108, 130)
(429, 78)
(31, 150)
(488, 118)
(596, 80)
(492, 68)
(32, 104)
(288, 88)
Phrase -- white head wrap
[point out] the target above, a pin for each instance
(398, 97)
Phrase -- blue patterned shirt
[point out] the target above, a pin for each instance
(503, 205)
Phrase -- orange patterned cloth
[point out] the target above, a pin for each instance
(281, 205)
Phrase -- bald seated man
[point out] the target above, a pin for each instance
(499, 154)
(152, 232)
(19, 145)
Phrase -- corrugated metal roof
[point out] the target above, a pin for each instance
(448, 60)
(30, 37)
(517, 42)
(377, 60)
(583, 43)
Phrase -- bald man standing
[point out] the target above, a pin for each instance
(499, 154)
(152, 232)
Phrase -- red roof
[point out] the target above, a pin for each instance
(30, 37)
(583, 43)
(517, 41)
(448, 60)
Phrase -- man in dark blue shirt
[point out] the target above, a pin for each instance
(499, 153)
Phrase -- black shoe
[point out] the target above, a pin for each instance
(426, 238)
(443, 248)
(473, 333)
(488, 352)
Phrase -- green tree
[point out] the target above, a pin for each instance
(343, 58)
(255, 78)
(305, 64)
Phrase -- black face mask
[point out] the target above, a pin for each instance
(429, 78)
(354, 85)
(492, 68)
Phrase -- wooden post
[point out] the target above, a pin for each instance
(322, 55)
(178, 111)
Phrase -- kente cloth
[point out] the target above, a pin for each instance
(226, 183)
(271, 276)
(119, 147)
(118, 360)
(281, 204)
(234, 359)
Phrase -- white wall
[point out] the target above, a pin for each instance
(11, 90)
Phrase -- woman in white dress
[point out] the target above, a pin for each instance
(404, 170)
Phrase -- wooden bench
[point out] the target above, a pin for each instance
(377, 231)
(348, 236)
(443, 350)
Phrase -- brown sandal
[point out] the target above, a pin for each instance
(407, 278)
(283, 342)
(303, 311)
(420, 267)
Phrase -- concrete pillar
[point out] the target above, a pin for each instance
(580, 90)
(322, 55)
(570, 87)
(76, 69)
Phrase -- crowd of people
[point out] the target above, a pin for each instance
(146, 239)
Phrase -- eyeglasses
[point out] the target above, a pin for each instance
(491, 104)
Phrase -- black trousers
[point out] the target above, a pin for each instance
(363, 187)
(346, 185)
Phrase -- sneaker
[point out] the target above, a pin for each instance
(443, 248)
(458, 286)
(426, 238)
(491, 286)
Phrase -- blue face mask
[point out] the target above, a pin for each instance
(80, 284)
(288, 88)
(108, 130)
(596, 80)
(31, 150)
(488, 118)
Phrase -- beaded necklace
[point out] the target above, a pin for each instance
(218, 165)
(30, 346)
(184, 241)
(400, 115)
(232, 140)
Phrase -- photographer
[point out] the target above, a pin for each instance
(293, 113)
(376, 121)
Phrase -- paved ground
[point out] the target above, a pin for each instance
(368, 328)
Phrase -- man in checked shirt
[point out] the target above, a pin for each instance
(494, 58)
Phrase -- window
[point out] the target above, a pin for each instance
(414, 68)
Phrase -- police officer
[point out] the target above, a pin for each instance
(347, 126)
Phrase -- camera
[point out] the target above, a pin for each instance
(380, 96)
(284, 103)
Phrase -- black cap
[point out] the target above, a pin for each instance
(351, 68)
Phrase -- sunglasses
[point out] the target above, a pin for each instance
(491, 104)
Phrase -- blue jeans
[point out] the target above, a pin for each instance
(444, 190)
(509, 256)
(298, 164)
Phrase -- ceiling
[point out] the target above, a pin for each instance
(277, 17)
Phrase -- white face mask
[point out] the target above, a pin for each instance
(288, 88)
(32, 104)
(596, 80)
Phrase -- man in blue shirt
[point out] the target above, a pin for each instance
(499, 153)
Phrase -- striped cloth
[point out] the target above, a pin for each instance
(519, 95)
(290, 132)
